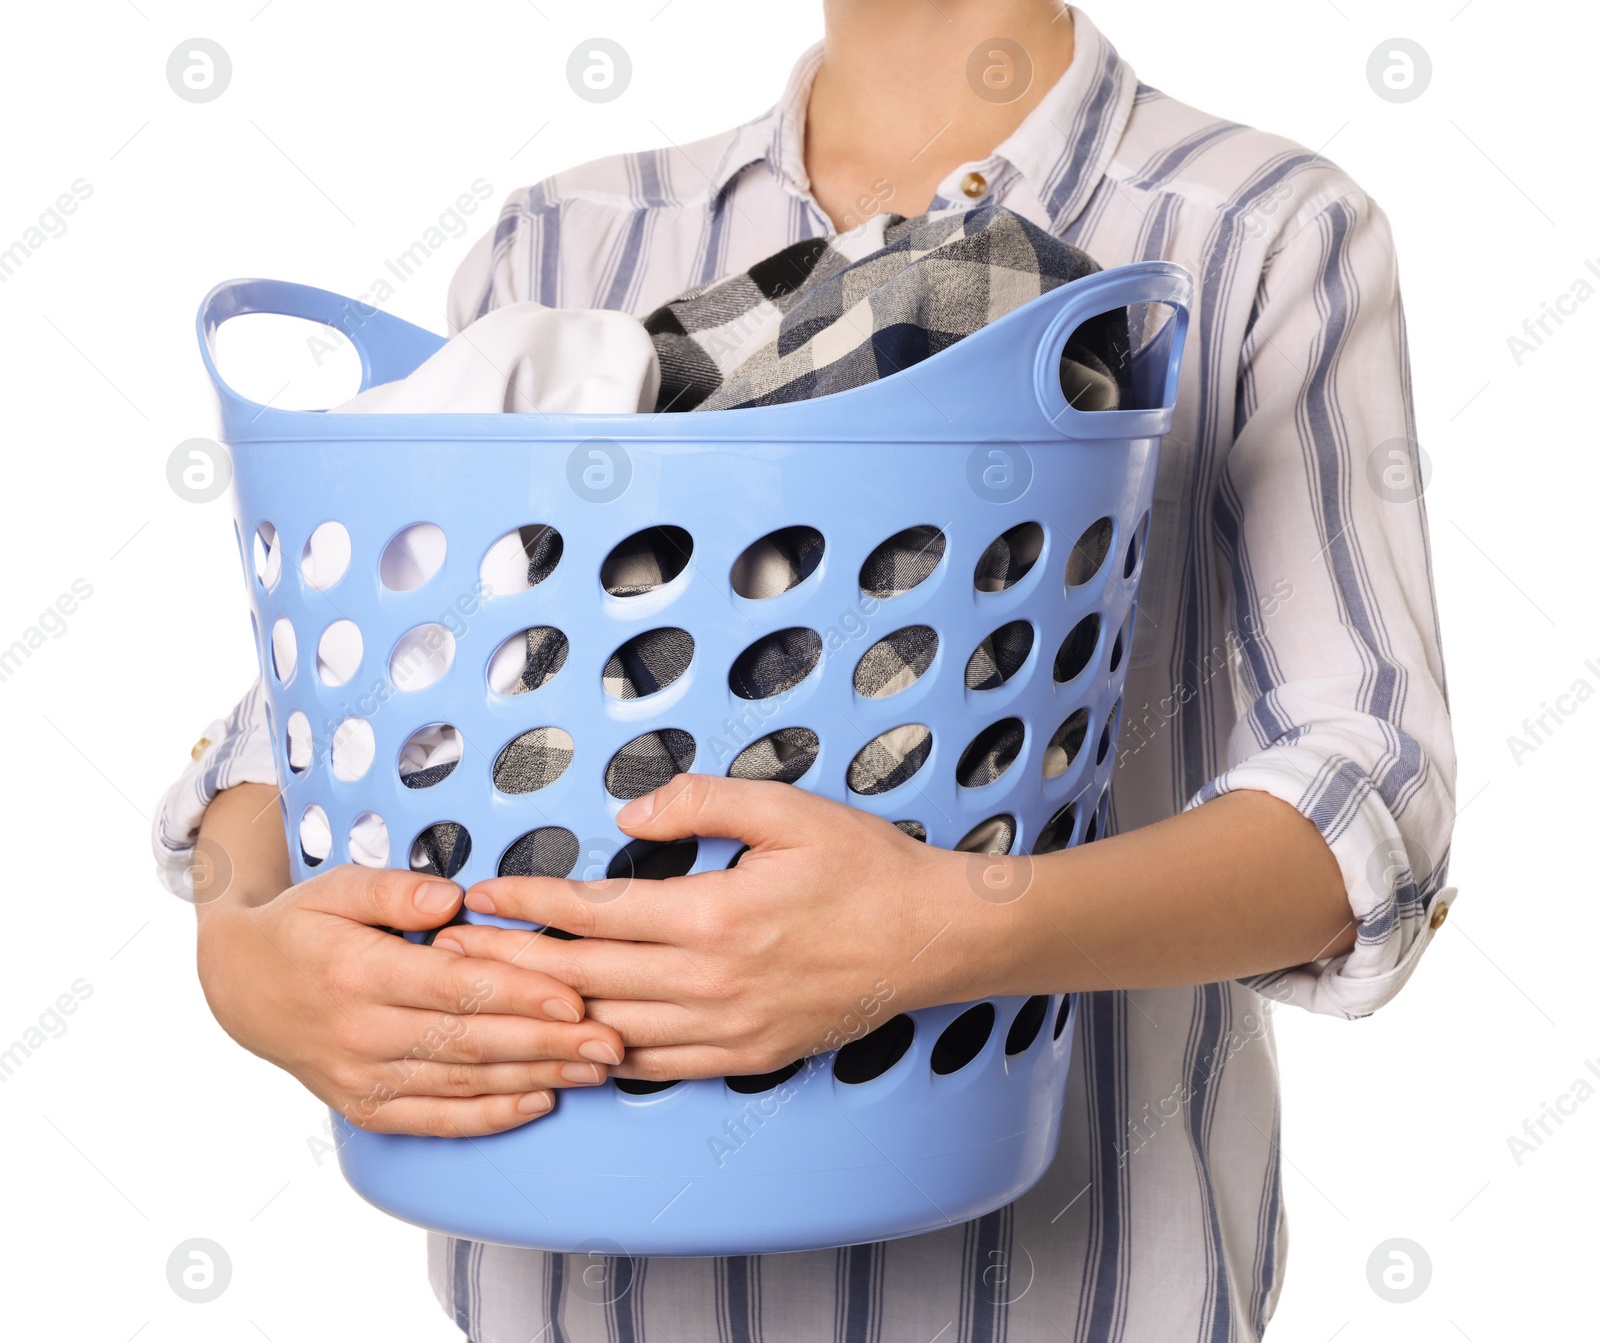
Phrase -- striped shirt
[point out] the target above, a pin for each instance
(1287, 642)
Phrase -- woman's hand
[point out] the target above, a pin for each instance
(398, 1037)
(831, 922)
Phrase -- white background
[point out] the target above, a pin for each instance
(347, 129)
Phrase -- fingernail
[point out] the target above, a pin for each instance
(641, 809)
(434, 897)
(599, 1051)
(559, 1009)
(534, 1103)
(581, 1074)
(449, 944)
(479, 903)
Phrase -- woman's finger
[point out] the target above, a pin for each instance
(631, 909)
(759, 812)
(443, 980)
(409, 1077)
(489, 1037)
(644, 1025)
(598, 967)
(433, 1117)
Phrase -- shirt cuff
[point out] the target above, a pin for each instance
(1393, 876)
(233, 750)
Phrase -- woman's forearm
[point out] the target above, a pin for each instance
(242, 858)
(1242, 885)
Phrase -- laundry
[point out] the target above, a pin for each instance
(821, 316)
(828, 314)
(527, 358)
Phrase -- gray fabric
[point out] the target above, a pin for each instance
(533, 761)
(1000, 656)
(771, 334)
(549, 851)
(896, 661)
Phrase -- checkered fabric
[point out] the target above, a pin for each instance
(533, 761)
(828, 314)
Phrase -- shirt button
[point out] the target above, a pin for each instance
(199, 748)
(974, 185)
(1439, 916)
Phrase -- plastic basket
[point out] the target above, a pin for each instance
(977, 441)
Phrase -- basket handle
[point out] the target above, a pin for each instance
(1141, 282)
(389, 347)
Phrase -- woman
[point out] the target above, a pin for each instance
(1283, 798)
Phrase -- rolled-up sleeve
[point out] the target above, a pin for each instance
(233, 750)
(1337, 666)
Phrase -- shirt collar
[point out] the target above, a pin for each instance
(1062, 149)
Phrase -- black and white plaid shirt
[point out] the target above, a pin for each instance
(1287, 643)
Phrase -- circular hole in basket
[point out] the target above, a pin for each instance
(1057, 832)
(873, 1055)
(338, 652)
(990, 754)
(779, 561)
(783, 756)
(369, 840)
(963, 1039)
(775, 663)
(649, 761)
(906, 559)
(533, 760)
(1025, 1025)
(316, 836)
(995, 835)
(754, 1084)
(1061, 1016)
(648, 663)
(422, 657)
(1120, 646)
(915, 829)
(285, 653)
(267, 558)
(1000, 656)
(521, 559)
(652, 860)
(527, 660)
(1065, 743)
(737, 855)
(430, 755)
(412, 557)
(637, 1086)
(888, 760)
(442, 849)
(646, 561)
(351, 750)
(1089, 552)
(1130, 561)
(326, 556)
(297, 741)
(549, 851)
(896, 662)
(1077, 649)
(1007, 559)
(1107, 735)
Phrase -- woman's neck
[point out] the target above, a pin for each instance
(906, 91)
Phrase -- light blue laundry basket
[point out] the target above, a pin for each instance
(928, 1119)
